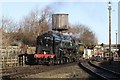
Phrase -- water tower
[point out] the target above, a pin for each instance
(60, 22)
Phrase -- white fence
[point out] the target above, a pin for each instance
(15, 50)
(9, 62)
(10, 51)
(9, 56)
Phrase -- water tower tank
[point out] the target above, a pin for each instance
(59, 22)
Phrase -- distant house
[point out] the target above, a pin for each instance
(98, 51)
(87, 53)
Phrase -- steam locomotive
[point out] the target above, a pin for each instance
(55, 48)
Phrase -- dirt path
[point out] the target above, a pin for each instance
(65, 72)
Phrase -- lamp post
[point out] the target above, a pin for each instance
(109, 8)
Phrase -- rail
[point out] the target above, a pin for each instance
(110, 71)
(101, 73)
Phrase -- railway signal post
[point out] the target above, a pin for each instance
(110, 8)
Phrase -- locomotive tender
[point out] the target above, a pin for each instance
(55, 48)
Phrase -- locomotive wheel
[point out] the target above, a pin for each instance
(58, 62)
(70, 60)
(67, 60)
(39, 62)
(64, 60)
(73, 59)
(61, 61)
(51, 62)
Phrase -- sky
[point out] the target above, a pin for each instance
(90, 13)
(119, 23)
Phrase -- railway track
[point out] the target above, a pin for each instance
(19, 72)
(99, 72)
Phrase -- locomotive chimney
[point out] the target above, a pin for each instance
(60, 22)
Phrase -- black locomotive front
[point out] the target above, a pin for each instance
(54, 48)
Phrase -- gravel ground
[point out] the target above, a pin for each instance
(64, 72)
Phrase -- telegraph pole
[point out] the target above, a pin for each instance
(109, 8)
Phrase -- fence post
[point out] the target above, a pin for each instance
(11, 63)
(15, 61)
(23, 60)
(18, 61)
(0, 62)
(3, 62)
(6, 61)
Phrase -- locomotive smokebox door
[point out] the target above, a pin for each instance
(60, 22)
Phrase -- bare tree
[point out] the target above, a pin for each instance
(76, 29)
(7, 27)
(45, 19)
(84, 33)
(8, 24)
(35, 23)
(88, 37)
